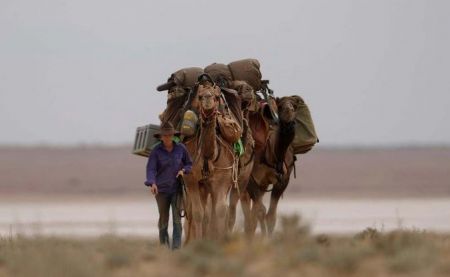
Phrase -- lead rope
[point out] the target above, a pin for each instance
(235, 173)
(295, 170)
(183, 194)
(234, 167)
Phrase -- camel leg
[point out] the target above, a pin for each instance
(246, 202)
(246, 209)
(197, 212)
(219, 206)
(258, 210)
(231, 219)
(271, 216)
(261, 215)
(206, 209)
(258, 214)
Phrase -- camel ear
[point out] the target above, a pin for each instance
(216, 90)
(295, 101)
(299, 100)
(277, 100)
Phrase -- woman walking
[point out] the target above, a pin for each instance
(167, 161)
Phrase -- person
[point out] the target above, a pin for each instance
(167, 161)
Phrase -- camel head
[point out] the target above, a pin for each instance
(287, 106)
(245, 92)
(208, 96)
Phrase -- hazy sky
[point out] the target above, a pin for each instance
(372, 72)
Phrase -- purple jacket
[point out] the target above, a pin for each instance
(163, 166)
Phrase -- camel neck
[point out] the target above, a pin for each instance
(208, 138)
(286, 133)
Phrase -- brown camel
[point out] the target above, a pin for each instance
(213, 160)
(273, 165)
(248, 97)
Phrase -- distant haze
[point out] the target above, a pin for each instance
(374, 73)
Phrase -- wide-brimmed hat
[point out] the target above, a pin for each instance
(166, 129)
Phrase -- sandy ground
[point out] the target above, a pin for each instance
(89, 172)
(96, 190)
(138, 216)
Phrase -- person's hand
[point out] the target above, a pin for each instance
(180, 173)
(154, 189)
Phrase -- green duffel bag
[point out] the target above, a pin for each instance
(305, 133)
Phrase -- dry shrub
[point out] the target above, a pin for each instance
(444, 268)
(368, 234)
(411, 260)
(397, 241)
(49, 257)
(407, 250)
(293, 228)
(291, 251)
(345, 255)
(309, 253)
(207, 257)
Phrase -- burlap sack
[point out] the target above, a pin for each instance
(220, 73)
(229, 129)
(247, 70)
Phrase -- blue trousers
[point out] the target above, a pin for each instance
(165, 201)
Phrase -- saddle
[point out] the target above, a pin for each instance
(260, 130)
(259, 123)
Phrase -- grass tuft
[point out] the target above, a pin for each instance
(292, 251)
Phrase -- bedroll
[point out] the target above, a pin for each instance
(305, 133)
(247, 70)
(186, 78)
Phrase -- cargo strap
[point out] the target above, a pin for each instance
(266, 91)
(234, 167)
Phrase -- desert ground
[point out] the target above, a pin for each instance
(84, 211)
(89, 191)
(101, 171)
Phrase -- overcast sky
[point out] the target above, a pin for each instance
(373, 72)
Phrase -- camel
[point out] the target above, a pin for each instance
(214, 160)
(273, 163)
(247, 96)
